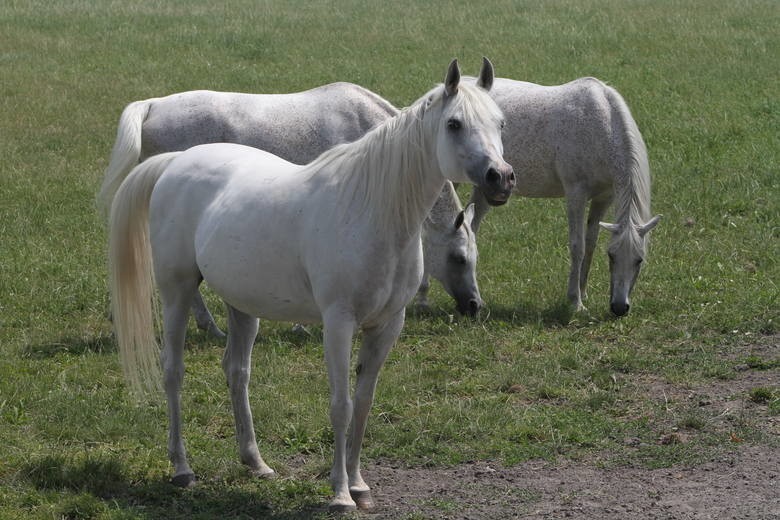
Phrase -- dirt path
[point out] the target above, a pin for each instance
(743, 485)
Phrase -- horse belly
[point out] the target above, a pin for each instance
(260, 281)
(538, 181)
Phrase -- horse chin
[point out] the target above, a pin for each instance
(497, 202)
(496, 197)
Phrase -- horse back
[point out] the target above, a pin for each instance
(297, 127)
(560, 138)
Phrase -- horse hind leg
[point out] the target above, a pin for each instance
(236, 363)
(175, 313)
(203, 318)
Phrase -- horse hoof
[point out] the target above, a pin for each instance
(363, 499)
(341, 507)
(186, 480)
(264, 474)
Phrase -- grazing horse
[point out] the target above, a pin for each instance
(450, 252)
(580, 141)
(335, 241)
(297, 127)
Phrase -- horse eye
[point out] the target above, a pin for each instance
(503, 124)
(453, 124)
(638, 262)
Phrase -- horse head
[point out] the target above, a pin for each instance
(626, 251)
(451, 257)
(469, 146)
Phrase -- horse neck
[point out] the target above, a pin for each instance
(446, 207)
(394, 177)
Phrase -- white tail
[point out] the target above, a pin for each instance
(131, 275)
(126, 152)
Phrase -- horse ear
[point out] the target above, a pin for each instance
(486, 75)
(468, 213)
(453, 78)
(612, 228)
(459, 219)
(646, 228)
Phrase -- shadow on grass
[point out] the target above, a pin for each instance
(104, 480)
(559, 314)
(104, 344)
(287, 335)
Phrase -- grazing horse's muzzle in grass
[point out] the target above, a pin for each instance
(619, 308)
(470, 306)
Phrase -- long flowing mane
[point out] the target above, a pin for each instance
(381, 172)
(632, 182)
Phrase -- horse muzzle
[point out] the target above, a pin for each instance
(499, 183)
(470, 307)
(619, 308)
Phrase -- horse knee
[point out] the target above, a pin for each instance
(340, 412)
(237, 377)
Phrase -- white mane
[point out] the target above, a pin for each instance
(391, 160)
(632, 182)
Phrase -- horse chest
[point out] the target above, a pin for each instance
(375, 281)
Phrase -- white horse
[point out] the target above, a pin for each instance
(580, 141)
(336, 241)
(450, 252)
(297, 127)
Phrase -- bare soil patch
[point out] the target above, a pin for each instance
(741, 485)
(741, 482)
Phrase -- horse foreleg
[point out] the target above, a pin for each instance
(338, 329)
(575, 212)
(481, 208)
(377, 342)
(598, 207)
(203, 317)
(172, 359)
(421, 299)
(236, 364)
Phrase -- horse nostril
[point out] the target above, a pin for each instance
(512, 176)
(492, 176)
(474, 307)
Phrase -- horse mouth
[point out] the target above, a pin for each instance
(498, 199)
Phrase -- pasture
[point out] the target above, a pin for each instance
(688, 378)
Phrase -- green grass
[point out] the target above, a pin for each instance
(527, 380)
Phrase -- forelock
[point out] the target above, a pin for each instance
(474, 103)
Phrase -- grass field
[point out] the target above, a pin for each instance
(527, 380)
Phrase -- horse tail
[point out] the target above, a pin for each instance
(637, 166)
(126, 152)
(131, 276)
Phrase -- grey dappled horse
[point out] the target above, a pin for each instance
(579, 141)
